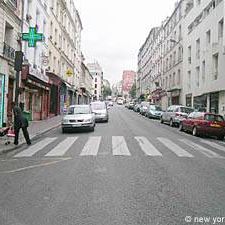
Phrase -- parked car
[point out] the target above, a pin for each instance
(201, 123)
(130, 105)
(154, 111)
(137, 107)
(78, 116)
(110, 103)
(175, 113)
(144, 107)
(100, 110)
(120, 101)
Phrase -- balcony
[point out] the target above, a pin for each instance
(8, 52)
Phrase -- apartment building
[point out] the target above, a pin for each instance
(10, 29)
(97, 73)
(145, 57)
(204, 56)
(128, 79)
(64, 54)
(173, 56)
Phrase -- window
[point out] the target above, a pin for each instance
(203, 71)
(95, 85)
(215, 66)
(208, 37)
(189, 54)
(173, 79)
(220, 29)
(198, 49)
(197, 76)
(174, 58)
(95, 92)
(96, 79)
(189, 79)
(178, 77)
(198, 2)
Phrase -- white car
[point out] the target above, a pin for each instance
(100, 110)
(78, 116)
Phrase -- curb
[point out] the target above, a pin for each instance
(33, 137)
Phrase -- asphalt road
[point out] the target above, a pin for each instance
(131, 170)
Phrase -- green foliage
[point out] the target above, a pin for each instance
(133, 91)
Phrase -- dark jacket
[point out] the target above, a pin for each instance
(19, 120)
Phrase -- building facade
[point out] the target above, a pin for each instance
(204, 56)
(128, 79)
(10, 29)
(97, 74)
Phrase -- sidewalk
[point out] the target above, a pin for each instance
(35, 129)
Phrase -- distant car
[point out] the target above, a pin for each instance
(137, 107)
(100, 110)
(110, 103)
(175, 114)
(78, 116)
(202, 123)
(144, 107)
(130, 105)
(154, 111)
(120, 101)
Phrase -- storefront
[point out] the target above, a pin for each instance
(214, 102)
(174, 98)
(200, 102)
(2, 99)
(188, 99)
(36, 93)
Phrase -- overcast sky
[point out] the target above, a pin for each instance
(114, 30)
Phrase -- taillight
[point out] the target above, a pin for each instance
(177, 114)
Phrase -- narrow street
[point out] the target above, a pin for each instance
(132, 170)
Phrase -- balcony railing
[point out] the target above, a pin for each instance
(8, 52)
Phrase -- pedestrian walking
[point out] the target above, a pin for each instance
(20, 122)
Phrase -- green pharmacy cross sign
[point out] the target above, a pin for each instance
(32, 37)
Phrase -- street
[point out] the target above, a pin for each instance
(131, 170)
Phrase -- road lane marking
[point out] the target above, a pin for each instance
(175, 148)
(34, 166)
(35, 148)
(147, 147)
(62, 147)
(202, 149)
(214, 145)
(91, 147)
(119, 146)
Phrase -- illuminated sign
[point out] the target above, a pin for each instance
(32, 37)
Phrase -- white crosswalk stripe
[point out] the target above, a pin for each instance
(119, 146)
(35, 148)
(174, 148)
(202, 149)
(91, 147)
(147, 147)
(62, 147)
(214, 145)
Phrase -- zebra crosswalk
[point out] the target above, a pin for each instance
(121, 147)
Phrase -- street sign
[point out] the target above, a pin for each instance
(32, 37)
(69, 73)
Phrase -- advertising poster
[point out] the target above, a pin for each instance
(2, 94)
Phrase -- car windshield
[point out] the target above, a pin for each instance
(98, 106)
(156, 108)
(79, 110)
(186, 110)
(214, 118)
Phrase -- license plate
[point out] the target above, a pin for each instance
(75, 125)
(215, 125)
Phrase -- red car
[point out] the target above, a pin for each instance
(202, 123)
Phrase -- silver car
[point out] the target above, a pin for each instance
(78, 116)
(175, 114)
(100, 110)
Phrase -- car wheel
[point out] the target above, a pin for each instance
(181, 127)
(161, 120)
(220, 137)
(92, 129)
(194, 131)
(171, 123)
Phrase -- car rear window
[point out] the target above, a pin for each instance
(155, 107)
(186, 110)
(211, 117)
(98, 106)
(79, 110)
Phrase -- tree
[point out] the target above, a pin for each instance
(106, 91)
(133, 91)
